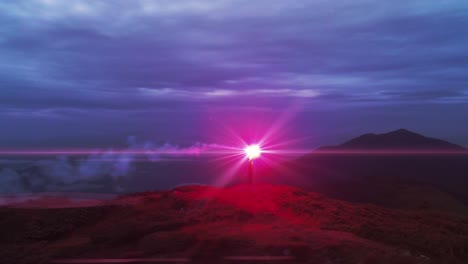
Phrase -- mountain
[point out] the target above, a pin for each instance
(399, 169)
(254, 223)
(400, 139)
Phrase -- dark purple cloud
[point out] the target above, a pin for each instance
(87, 72)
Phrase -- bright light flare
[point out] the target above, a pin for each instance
(253, 151)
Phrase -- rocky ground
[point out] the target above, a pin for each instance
(239, 224)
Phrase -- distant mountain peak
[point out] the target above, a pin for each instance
(402, 131)
(400, 139)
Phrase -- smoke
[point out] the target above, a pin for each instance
(104, 171)
(10, 181)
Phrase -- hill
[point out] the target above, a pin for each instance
(400, 139)
(399, 169)
(204, 224)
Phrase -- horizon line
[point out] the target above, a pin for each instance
(191, 152)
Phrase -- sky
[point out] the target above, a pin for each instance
(95, 73)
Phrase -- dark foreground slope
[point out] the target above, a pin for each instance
(214, 225)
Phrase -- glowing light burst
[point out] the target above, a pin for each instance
(266, 141)
(253, 151)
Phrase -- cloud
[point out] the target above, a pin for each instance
(220, 93)
(186, 48)
(64, 60)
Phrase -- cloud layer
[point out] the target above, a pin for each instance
(62, 60)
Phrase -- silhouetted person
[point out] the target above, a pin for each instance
(251, 172)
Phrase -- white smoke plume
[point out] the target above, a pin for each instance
(103, 171)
